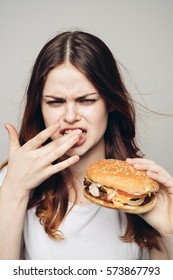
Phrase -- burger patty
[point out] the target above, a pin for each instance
(111, 195)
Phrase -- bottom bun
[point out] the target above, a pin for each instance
(124, 208)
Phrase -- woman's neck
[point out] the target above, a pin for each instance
(78, 172)
(79, 169)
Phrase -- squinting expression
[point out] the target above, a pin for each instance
(70, 99)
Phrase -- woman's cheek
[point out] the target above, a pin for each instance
(50, 117)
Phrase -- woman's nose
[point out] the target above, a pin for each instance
(71, 113)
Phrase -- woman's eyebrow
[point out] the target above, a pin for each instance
(86, 95)
(52, 96)
(77, 98)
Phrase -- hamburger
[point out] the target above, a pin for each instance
(116, 184)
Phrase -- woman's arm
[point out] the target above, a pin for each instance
(161, 216)
(12, 212)
(168, 244)
(159, 254)
(28, 166)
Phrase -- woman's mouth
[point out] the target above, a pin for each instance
(82, 138)
(68, 131)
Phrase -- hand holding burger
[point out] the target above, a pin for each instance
(116, 184)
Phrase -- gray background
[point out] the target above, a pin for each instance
(139, 33)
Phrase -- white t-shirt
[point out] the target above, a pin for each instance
(90, 233)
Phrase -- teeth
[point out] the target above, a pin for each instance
(68, 131)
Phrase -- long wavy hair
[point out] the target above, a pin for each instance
(93, 58)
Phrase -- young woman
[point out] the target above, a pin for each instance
(77, 111)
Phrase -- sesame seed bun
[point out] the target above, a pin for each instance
(128, 186)
(119, 174)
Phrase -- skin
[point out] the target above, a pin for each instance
(22, 177)
(161, 216)
(69, 102)
(29, 165)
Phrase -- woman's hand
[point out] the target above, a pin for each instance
(29, 165)
(161, 216)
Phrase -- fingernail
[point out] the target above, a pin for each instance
(79, 132)
(6, 125)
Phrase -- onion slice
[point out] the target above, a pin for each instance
(135, 202)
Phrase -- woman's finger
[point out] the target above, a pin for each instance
(144, 164)
(153, 170)
(139, 160)
(54, 144)
(161, 178)
(13, 137)
(62, 165)
(40, 138)
(63, 148)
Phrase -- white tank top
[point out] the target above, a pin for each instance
(90, 233)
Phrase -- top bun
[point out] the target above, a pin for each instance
(120, 175)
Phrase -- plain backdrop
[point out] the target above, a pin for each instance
(140, 35)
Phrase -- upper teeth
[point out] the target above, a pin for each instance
(67, 131)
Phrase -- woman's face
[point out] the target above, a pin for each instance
(71, 100)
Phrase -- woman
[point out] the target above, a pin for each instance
(77, 111)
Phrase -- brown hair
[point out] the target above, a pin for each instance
(91, 56)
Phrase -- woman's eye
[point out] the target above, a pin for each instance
(87, 101)
(55, 102)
